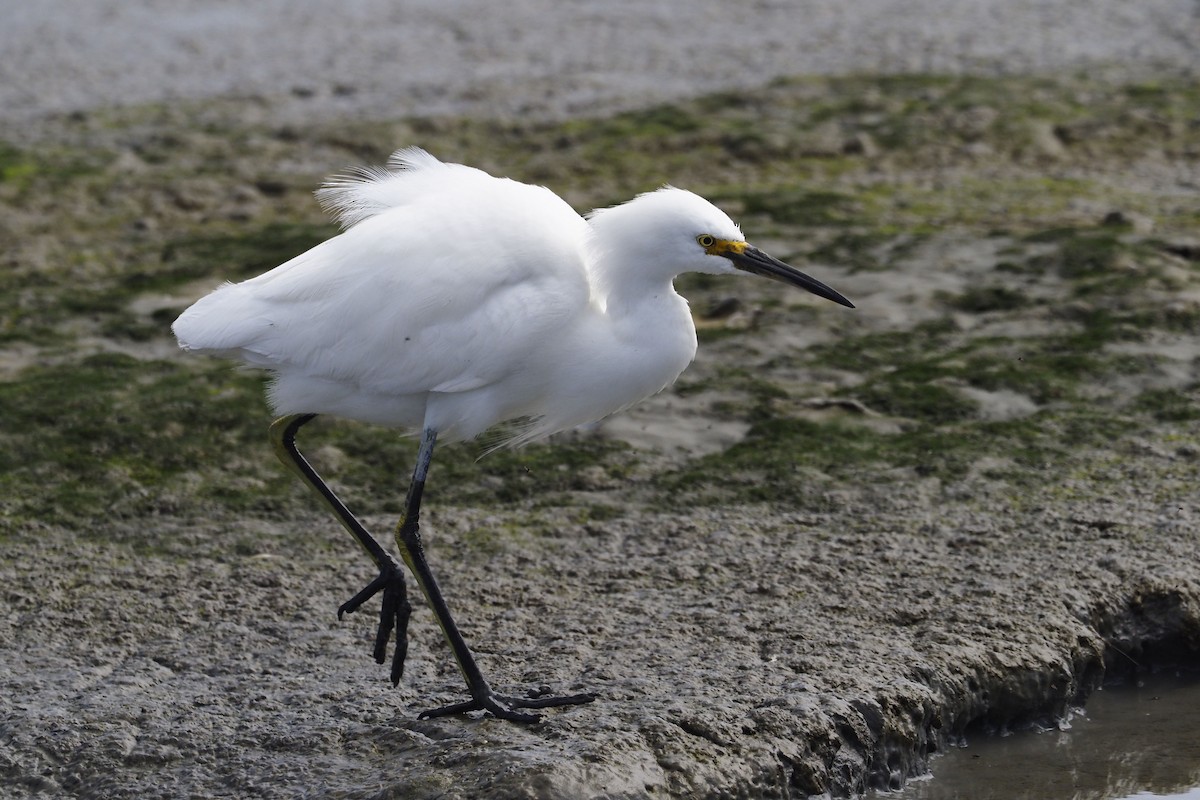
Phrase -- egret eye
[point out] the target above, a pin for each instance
(705, 240)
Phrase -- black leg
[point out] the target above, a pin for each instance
(408, 538)
(395, 610)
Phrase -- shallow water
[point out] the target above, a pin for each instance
(1134, 741)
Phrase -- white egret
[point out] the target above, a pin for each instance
(454, 301)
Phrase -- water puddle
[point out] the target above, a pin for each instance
(1137, 741)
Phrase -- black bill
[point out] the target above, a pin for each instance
(753, 260)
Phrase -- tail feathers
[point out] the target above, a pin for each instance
(222, 323)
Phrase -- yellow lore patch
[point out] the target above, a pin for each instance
(721, 247)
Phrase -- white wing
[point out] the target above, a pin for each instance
(445, 281)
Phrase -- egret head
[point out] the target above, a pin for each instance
(679, 231)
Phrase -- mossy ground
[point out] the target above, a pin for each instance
(950, 506)
(114, 222)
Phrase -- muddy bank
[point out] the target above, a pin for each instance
(856, 537)
(735, 652)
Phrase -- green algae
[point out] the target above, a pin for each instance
(859, 172)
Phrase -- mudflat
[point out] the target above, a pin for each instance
(841, 542)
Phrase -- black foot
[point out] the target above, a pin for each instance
(392, 616)
(502, 707)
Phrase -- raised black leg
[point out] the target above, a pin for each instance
(395, 609)
(408, 538)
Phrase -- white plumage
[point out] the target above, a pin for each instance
(456, 300)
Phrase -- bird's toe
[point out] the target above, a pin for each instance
(394, 613)
(506, 708)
